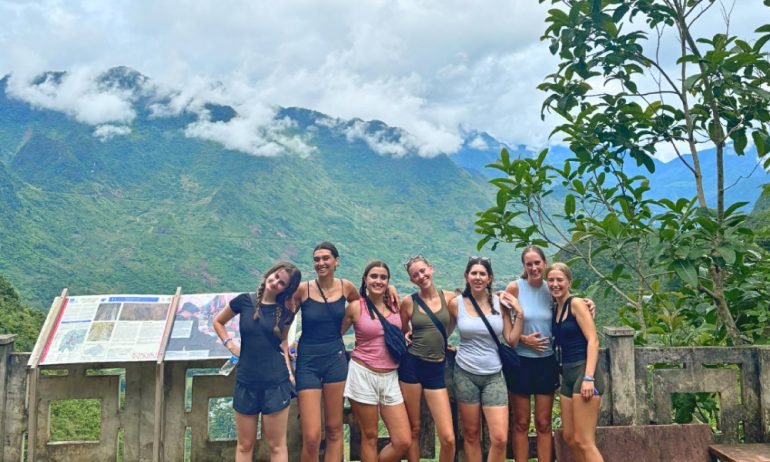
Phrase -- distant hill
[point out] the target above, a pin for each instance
(743, 174)
(150, 207)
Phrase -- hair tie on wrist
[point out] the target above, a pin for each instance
(227, 340)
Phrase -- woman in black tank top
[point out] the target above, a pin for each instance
(321, 361)
(575, 333)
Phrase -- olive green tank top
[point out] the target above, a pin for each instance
(427, 341)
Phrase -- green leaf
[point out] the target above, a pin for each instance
(569, 204)
(686, 272)
(762, 142)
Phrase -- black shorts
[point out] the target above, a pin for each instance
(428, 374)
(534, 376)
(254, 401)
(322, 363)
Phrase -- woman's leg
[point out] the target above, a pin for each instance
(333, 408)
(274, 430)
(368, 422)
(568, 426)
(543, 418)
(310, 423)
(584, 415)
(438, 403)
(412, 399)
(397, 422)
(520, 407)
(246, 429)
(497, 424)
(470, 416)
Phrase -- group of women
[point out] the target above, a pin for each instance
(550, 329)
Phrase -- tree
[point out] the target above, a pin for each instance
(18, 319)
(632, 77)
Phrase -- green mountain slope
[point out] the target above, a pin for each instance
(153, 209)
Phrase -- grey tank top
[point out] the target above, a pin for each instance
(538, 315)
(478, 351)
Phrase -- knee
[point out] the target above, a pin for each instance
(400, 441)
(471, 434)
(498, 439)
(543, 425)
(311, 438)
(245, 446)
(447, 439)
(370, 435)
(334, 432)
(415, 429)
(521, 425)
(569, 438)
(276, 447)
(581, 443)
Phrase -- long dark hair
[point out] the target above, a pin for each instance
(487, 266)
(295, 276)
(327, 246)
(362, 290)
(537, 250)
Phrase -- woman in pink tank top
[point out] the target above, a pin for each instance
(372, 386)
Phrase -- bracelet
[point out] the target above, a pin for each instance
(227, 340)
(588, 378)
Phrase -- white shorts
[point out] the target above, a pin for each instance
(369, 387)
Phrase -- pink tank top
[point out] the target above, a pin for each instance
(370, 340)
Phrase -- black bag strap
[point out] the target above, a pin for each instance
(373, 308)
(431, 315)
(486, 323)
(320, 291)
(253, 297)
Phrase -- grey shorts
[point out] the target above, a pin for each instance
(572, 379)
(488, 390)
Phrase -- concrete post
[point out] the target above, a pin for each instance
(622, 374)
(763, 354)
(6, 348)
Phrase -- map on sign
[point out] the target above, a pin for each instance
(107, 328)
(193, 335)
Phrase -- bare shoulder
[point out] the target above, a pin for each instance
(450, 296)
(513, 288)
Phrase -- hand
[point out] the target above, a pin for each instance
(450, 347)
(591, 306)
(293, 350)
(234, 348)
(535, 341)
(291, 379)
(408, 337)
(587, 390)
(511, 303)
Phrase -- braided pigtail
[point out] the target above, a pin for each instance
(490, 299)
(276, 329)
(260, 291)
(362, 292)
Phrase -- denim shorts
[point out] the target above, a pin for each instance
(534, 376)
(318, 364)
(428, 374)
(254, 401)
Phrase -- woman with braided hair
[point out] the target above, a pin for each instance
(478, 379)
(372, 385)
(264, 381)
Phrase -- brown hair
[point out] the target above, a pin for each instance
(537, 250)
(295, 276)
(487, 266)
(391, 304)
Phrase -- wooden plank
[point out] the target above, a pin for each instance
(34, 373)
(157, 444)
(755, 452)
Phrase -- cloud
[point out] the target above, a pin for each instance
(78, 94)
(479, 144)
(106, 131)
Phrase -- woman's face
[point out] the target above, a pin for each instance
(377, 281)
(277, 282)
(534, 265)
(421, 274)
(478, 278)
(558, 283)
(324, 263)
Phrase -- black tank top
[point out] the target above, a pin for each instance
(568, 336)
(321, 321)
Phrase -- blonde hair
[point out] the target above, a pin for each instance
(559, 266)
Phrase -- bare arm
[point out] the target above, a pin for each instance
(451, 298)
(349, 291)
(222, 318)
(586, 323)
(513, 318)
(287, 354)
(353, 309)
(405, 311)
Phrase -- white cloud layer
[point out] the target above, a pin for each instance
(435, 68)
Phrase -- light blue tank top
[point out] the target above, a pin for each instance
(536, 303)
(477, 353)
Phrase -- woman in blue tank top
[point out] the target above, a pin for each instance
(578, 347)
(321, 359)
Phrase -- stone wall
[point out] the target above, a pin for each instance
(640, 382)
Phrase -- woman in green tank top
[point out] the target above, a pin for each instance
(422, 369)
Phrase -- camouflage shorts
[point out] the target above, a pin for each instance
(489, 390)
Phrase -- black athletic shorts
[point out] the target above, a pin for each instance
(318, 364)
(428, 374)
(254, 401)
(534, 376)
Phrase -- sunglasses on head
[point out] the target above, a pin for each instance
(480, 259)
(413, 259)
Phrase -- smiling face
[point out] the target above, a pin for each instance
(276, 282)
(324, 262)
(478, 278)
(534, 265)
(377, 281)
(421, 274)
(558, 283)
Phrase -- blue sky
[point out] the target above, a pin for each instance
(434, 68)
